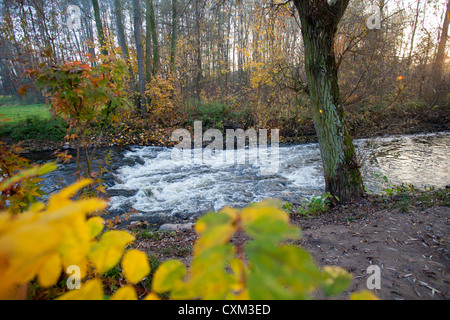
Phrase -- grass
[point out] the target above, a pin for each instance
(404, 197)
(17, 113)
(32, 121)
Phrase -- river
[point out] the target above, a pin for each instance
(150, 181)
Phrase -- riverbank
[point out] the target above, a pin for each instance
(376, 122)
(409, 245)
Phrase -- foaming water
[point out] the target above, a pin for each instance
(164, 185)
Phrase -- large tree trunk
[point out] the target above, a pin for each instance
(173, 43)
(88, 34)
(140, 55)
(151, 28)
(98, 23)
(123, 45)
(440, 57)
(198, 48)
(341, 170)
(120, 29)
(148, 44)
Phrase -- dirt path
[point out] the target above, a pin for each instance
(411, 249)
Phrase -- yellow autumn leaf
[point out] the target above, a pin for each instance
(108, 251)
(96, 225)
(91, 290)
(363, 295)
(50, 270)
(62, 197)
(135, 266)
(125, 293)
(152, 296)
(4, 220)
(66, 209)
(244, 295)
(75, 245)
(25, 249)
(35, 171)
(241, 295)
(254, 213)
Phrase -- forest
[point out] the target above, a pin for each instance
(224, 150)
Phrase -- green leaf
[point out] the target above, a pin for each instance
(168, 275)
(285, 272)
(208, 278)
(337, 280)
(271, 230)
(211, 220)
(269, 224)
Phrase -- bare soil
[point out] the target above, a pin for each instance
(410, 248)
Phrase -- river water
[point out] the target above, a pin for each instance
(152, 182)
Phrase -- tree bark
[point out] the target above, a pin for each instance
(173, 44)
(140, 56)
(123, 45)
(416, 20)
(198, 49)
(120, 29)
(99, 25)
(151, 30)
(148, 44)
(440, 55)
(319, 22)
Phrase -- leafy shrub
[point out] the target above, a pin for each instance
(160, 97)
(46, 240)
(315, 206)
(218, 115)
(86, 96)
(212, 114)
(261, 268)
(18, 194)
(54, 129)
